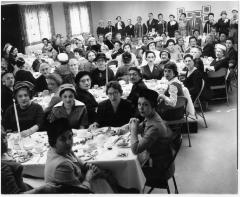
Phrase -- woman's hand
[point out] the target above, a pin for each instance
(92, 172)
(93, 126)
(133, 124)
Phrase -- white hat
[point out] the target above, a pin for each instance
(62, 57)
(220, 46)
(108, 34)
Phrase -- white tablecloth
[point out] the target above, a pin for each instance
(127, 170)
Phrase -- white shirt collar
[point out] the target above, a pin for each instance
(77, 103)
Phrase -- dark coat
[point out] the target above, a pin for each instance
(129, 31)
(99, 77)
(110, 29)
(107, 117)
(161, 27)
(208, 50)
(7, 98)
(91, 104)
(152, 25)
(156, 74)
(109, 44)
(41, 84)
(101, 30)
(171, 29)
(23, 75)
(232, 54)
(222, 26)
(223, 63)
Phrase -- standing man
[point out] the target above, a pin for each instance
(151, 23)
(110, 28)
(140, 28)
(234, 27)
(195, 23)
(223, 24)
(209, 24)
(161, 25)
(129, 29)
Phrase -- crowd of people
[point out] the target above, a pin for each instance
(140, 52)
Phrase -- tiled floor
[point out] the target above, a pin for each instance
(210, 165)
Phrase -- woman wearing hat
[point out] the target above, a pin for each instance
(168, 98)
(155, 136)
(109, 41)
(83, 84)
(99, 74)
(114, 112)
(221, 60)
(223, 23)
(127, 48)
(64, 168)
(69, 108)
(30, 114)
(151, 70)
(21, 73)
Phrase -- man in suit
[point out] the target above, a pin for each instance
(120, 26)
(110, 28)
(151, 23)
(161, 25)
(140, 29)
(195, 23)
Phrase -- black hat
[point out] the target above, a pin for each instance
(21, 84)
(20, 62)
(56, 129)
(99, 56)
(150, 95)
(80, 75)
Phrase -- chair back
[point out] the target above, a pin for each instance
(200, 92)
(220, 73)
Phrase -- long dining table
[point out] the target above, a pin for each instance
(107, 151)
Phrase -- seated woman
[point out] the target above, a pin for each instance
(51, 52)
(73, 66)
(79, 55)
(90, 65)
(152, 47)
(193, 79)
(41, 82)
(151, 71)
(220, 61)
(208, 49)
(106, 51)
(22, 74)
(83, 84)
(156, 137)
(115, 111)
(69, 108)
(117, 50)
(168, 99)
(30, 114)
(165, 58)
(36, 63)
(122, 71)
(196, 52)
(11, 175)
(174, 52)
(138, 85)
(64, 168)
(99, 74)
(12, 58)
(127, 48)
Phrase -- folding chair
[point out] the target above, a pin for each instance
(197, 101)
(220, 77)
(162, 181)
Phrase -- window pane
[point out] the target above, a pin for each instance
(44, 23)
(84, 19)
(74, 18)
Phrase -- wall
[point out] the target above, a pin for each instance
(59, 18)
(109, 10)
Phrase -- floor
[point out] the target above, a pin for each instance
(210, 165)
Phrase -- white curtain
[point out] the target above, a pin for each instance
(37, 21)
(79, 19)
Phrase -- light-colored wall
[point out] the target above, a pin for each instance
(110, 9)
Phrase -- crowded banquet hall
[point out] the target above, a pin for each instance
(119, 97)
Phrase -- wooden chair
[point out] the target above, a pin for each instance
(197, 101)
(181, 108)
(221, 73)
(162, 181)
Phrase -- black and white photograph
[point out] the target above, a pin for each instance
(119, 97)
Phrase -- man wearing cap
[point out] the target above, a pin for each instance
(99, 74)
(223, 23)
(234, 27)
(7, 90)
(195, 23)
(110, 28)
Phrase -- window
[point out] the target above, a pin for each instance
(77, 18)
(37, 23)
